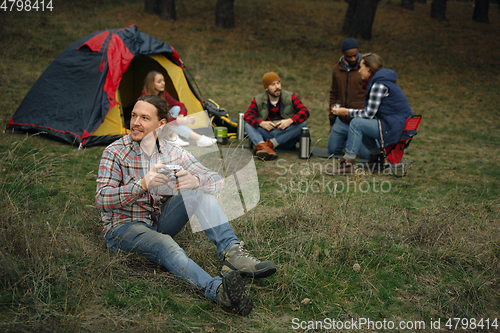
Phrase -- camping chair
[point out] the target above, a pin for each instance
(394, 152)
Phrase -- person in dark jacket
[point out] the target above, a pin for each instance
(383, 117)
(347, 91)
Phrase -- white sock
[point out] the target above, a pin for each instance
(275, 143)
(349, 157)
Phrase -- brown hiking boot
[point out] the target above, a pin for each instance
(230, 294)
(264, 150)
(345, 167)
(376, 163)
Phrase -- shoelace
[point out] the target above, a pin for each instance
(243, 251)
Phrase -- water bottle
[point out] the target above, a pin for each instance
(241, 126)
(305, 143)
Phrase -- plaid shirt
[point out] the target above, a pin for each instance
(252, 114)
(119, 193)
(377, 93)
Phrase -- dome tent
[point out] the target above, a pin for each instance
(86, 94)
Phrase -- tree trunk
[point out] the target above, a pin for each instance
(359, 18)
(224, 14)
(481, 11)
(438, 10)
(167, 10)
(151, 6)
(407, 4)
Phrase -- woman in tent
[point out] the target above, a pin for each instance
(154, 84)
(383, 118)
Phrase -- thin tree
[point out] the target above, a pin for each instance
(359, 18)
(438, 9)
(481, 11)
(407, 4)
(165, 9)
(224, 14)
(151, 7)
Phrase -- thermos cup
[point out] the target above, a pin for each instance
(305, 143)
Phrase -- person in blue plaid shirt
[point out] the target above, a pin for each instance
(142, 209)
(383, 118)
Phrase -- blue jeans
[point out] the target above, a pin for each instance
(182, 130)
(362, 131)
(286, 138)
(338, 138)
(156, 242)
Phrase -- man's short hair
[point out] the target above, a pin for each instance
(160, 105)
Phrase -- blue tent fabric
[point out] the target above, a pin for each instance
(69, 100)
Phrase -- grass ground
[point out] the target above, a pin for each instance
(428, 245)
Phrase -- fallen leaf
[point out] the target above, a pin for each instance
(305, 301)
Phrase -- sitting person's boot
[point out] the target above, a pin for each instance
(376, 163)
(345, 167)
(238, 258)
(230, 294)
(264, 150)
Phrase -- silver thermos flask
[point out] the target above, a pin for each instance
(241, 126)
(305, 143)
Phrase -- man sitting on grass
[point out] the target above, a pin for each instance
(142, 209)
(275, 117)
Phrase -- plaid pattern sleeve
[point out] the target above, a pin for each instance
(377, 93)
(114, 188)
(173, 102)
(251, 116)
(119, 194)
(301, 112)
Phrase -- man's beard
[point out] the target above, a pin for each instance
(353, 63)
(274, 93)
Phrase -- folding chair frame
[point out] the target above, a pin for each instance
(394, 152)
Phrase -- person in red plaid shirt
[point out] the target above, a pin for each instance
(274, 118)
(142, 208)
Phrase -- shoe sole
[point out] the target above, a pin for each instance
(235, 287)
(256, 275)
(266, 156)
(339, 172)
(374, 168)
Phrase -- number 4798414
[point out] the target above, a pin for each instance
(471, 323)
(26, 5)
